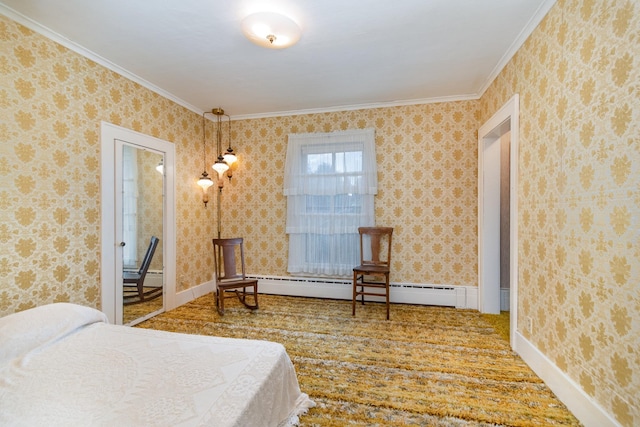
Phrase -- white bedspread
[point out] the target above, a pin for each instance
(63, 365)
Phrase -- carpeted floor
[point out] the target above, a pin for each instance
(499, 322)
(135, 311)
(427, 366)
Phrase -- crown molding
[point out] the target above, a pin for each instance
(435, 100)
(533, 23)
(71, 45)
(58, 38)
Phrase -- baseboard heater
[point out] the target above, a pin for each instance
(153, 279)
(407, 293)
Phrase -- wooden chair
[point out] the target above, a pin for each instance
(366, 276)
(227, 276)
(135, 280)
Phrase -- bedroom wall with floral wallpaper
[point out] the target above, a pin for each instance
(579, 185)
(427, 189)
(52, 101)
(55, 99)
(578, 77)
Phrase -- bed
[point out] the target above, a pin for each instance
(64, 365)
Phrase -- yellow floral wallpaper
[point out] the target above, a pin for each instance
(427, 170)
(578, 77)
(55, 100)
(51, 103)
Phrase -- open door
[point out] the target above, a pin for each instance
(489, 153)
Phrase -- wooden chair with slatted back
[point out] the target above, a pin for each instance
(227, 276)
(371, 277)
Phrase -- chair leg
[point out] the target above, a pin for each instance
(220, 302)
(353, 300)
(140, 291)
(387, 292)
(255, 296)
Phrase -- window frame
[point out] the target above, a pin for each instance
(335, 223)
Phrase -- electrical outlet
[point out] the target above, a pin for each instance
(529, 325)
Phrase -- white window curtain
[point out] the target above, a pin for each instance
(330, 182)
(130, 206)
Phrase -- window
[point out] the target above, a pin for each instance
(330, 183)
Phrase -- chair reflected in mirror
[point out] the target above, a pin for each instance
(134, 291)
(230, 276)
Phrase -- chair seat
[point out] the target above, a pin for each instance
(130, 277)
(237, 283)
(378, 269)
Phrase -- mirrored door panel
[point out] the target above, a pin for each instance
(142, 190)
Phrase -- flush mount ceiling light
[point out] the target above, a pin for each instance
(271, 30)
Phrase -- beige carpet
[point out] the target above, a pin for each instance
(427, 366)
(135, 311)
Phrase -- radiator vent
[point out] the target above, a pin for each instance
(153, 278)
(410, 293)
(301, 279)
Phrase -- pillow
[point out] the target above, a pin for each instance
(38, 327)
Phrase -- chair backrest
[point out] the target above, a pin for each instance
(225, 253)
(148, 256)
(378, 238)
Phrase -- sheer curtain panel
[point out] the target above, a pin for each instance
(330, 182)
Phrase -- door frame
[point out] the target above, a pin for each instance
(110, 276)
(504, 120)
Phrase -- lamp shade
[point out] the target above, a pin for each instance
(204, 181)
(230, 157)
(271, 30)
(220, 166)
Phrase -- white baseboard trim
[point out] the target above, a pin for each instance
(197, 291)
(407, 293)
(583, 407)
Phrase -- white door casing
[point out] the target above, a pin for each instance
(504, 120)
(112, 137)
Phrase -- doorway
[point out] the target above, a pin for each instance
(138, 203)
(502, 124)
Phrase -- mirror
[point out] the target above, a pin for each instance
(112, 140)
(142, 234)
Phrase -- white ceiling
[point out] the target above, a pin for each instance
(352, 54)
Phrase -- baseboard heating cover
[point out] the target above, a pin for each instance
(505, 295)
(153, 278)
(407, 293)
